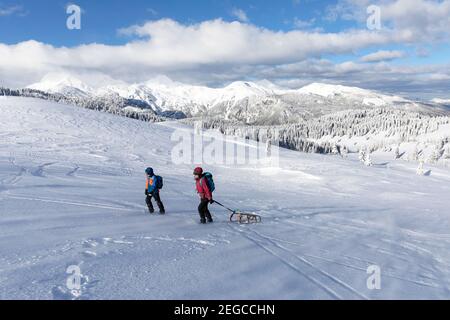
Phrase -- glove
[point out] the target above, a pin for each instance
(146, 192)
(211, 201)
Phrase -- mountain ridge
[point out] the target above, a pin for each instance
(244, 101)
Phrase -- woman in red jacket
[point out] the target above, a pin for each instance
(205, 194)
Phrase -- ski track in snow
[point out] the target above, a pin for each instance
(71, 193)
(301, 265)
(73, 203)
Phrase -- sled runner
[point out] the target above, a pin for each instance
(244, 218)
(241, 217)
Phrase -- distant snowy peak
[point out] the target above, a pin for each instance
(134, 92)
(270, 85)
(63, 84)
(247, 87)
(367, 97)
(441, 101)
(240, 90)
(329, 90)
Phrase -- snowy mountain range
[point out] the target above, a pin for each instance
(244, 102)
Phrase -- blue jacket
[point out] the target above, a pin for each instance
(150, 186)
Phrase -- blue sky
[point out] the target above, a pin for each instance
(44, 20)
(313, 42)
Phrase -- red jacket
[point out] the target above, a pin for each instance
(203, 189)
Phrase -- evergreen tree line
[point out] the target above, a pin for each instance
(395, 125)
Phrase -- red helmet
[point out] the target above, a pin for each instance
(198, 171)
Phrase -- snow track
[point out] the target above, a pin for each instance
(73, 203)
(301, 265)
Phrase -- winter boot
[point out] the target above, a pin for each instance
(208, 216)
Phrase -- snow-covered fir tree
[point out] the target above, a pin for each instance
(436, 153)
(414, 156)
(335, 149)
(396, 152)
(362, 155)
(446, 154)
(368, 160)
(344, 151)
(268, 147)
(420, 170)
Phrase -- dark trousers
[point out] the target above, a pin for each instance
(203, 210)
(157, 198)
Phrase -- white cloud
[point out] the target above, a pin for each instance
(168, 43)
(426, 19)
(383, 55)
(240, 14)
(11, 10)
(214, 52)
(348, 10)
(302, 24)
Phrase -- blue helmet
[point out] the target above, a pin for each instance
(149, 171)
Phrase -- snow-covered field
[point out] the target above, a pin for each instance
(72, 193)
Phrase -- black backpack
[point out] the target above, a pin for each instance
(159, 182)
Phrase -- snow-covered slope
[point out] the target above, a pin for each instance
(72, 193)
(246, 102)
